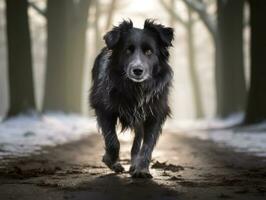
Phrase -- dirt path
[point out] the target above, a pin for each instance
(194, 169)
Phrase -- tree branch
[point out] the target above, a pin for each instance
(200, 7)
(37, 9)
(173, 13)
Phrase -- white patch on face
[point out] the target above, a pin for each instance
(136, 61)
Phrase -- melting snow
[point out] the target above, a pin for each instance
(250, 139)
(23, 134)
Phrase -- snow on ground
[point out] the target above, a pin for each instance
(204, 124)
(25, 134)
(250, 139)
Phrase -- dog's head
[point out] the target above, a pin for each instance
(139, 53)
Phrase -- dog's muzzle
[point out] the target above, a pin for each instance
(137, 74)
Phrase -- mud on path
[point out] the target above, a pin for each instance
(183, 168)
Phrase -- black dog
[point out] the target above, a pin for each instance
(131, 79)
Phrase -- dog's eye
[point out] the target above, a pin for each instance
(129, 50)
(148, 52)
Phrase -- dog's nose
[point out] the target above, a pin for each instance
(137, 71)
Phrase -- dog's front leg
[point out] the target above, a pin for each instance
(152, 129)
(139, 132)
(107, 123)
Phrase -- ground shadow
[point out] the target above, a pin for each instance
(112, 186)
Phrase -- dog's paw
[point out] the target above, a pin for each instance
(132, 169)
(117, 168)
(144, 173)
(114, 166)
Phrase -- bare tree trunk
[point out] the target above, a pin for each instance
(67, 25)
(231, 86)
(256, 107)
(172, 19)
(192, 66)
(110, 14)
(97, 31)
(20, 74)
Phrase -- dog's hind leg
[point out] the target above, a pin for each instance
(107, 123)
(152, 129)
(138, 129)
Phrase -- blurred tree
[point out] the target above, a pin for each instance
(96, 26)
(110, 14)
(227, 35)
(230, 75)
(67, 25)
(192, 65)
(172, 19)
(99, 11)
(20, 74)
(189, 26)
(256, 106)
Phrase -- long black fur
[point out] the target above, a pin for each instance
(115, 97)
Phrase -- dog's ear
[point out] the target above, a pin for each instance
(112, 37)
(165, 34)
